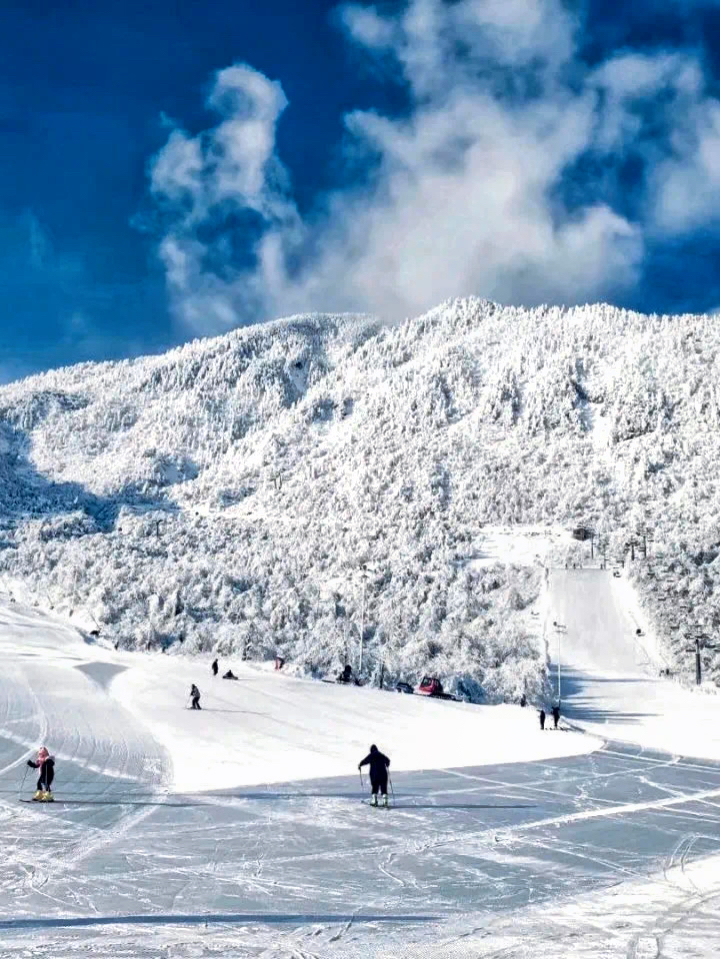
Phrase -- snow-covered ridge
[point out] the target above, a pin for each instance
(226, 494)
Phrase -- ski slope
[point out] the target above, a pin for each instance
(239, 831)
(610, 677)
(267, 727)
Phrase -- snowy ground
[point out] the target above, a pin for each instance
(239, 831)
(519, 545)
(610, 678)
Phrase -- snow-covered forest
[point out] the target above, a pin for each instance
(285, 488)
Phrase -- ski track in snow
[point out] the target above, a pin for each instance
(612, 853)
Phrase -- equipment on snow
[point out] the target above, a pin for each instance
(404, 688)
(22, 784)
(43, 795)
(229, 675)
(431, 686)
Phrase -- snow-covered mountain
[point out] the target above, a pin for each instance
(285, 487)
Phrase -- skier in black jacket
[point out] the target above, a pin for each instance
(46, 764)
(379, 765)
(195, 697)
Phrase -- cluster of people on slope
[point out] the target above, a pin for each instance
(378, 762)
(379, 765)
(195, 692)
(554, 712)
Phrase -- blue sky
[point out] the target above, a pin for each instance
(177, 169)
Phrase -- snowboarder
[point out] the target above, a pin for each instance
(379, 765)
(542, 719)
(214, 667)
(195, 697)
(229, 675)
(46, 764)
(556, 715)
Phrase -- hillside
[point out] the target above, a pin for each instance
(226, 495)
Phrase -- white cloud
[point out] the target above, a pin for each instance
(686, 185)
(465, 192)
(658, 107)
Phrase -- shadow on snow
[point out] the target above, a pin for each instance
(237, 918)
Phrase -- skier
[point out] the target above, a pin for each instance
(379, 765)
(556, 714)
(542, 719)
(523, 700)
(195, 697)
(214, 667)
(46, 764)
(229, 675)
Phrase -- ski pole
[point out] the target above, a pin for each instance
(22, 784)
(362, 784)
(392, 791)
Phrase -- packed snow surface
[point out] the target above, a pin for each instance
(593, 854)
(610, 669)
(266, 727)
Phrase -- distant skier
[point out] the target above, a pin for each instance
(542, 719)
(214, 667)
(556, 715)
(523, 700)
(229, 675)
(379, 765)
(195, 697)
(46, 764)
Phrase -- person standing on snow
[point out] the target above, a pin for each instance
(46, 764)
(556, 715)
(214, 667)
(195, 697)
(379, 765)
(542, 719)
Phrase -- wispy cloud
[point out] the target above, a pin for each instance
(465, 194)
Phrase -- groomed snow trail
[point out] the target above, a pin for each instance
(301, 868)
(52, 691)
(610, 676)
